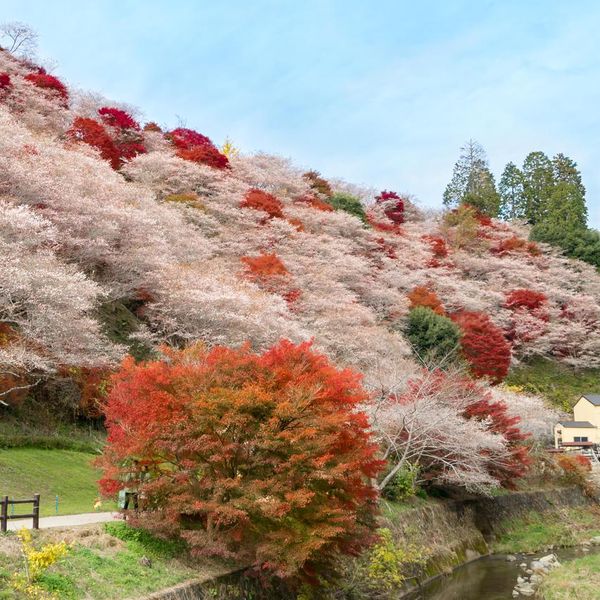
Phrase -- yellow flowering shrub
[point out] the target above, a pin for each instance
(36, 562)
(390, 565)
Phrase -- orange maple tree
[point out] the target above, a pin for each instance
(265, 458)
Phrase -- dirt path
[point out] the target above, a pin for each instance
(64, 520)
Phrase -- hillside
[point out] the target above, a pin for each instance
(117, 238)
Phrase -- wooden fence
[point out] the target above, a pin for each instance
(4, 516)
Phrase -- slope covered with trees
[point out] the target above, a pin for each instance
(121, 238)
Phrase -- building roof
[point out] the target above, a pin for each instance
(577, 424)
(593, 398)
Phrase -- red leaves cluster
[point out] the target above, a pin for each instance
(575, 470)
(263, 201)
(496, 413)
(438, 247)
(115, 117)
(318, 183)
(271, 274)
(395, 211)
(41, 79)
(424, 296)
(195, 147)
(123, 144)
(262, 457)
(524, 298)
(94, 134)
(5, 81)
(515, 244)
(314, 202)
(483, 346)
(265, 266)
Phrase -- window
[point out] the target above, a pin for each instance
(580, 439)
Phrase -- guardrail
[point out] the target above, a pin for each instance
(4, 516)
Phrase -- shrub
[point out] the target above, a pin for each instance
(391, 564)
(318, 184)
(42, 80)
(259, 200)
(395, 211)
(523, 298)
(424, 296)
(403, 485)
(314, 202)
(438, 245)
(195, 147)
(115, 117)
(94, 134)
(575, 469)
(515, 244)
(349, 204)
(433, 336)
(265, 266)
(5, 81)
(462, 225)
(266, 458)
(483, 345)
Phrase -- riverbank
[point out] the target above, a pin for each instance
(578, 579)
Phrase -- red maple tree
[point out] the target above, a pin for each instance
(266, 458)
(421, 295)
(524, 298)
(483, 345)
(41, 79)
(195, 147)
(259, 200)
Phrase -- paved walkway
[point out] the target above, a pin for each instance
(64, 520)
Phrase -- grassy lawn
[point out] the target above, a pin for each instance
(577, 579)
(560, 384)
(537, 531)
(106, 562)
(68, 474)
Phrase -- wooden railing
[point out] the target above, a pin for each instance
(4, 516)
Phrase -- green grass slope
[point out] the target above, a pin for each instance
(68, 474)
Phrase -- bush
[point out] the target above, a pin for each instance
(403, 486)
(433, 337)
(349, 204)
(483, 346)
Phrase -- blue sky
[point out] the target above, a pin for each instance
(378, 93)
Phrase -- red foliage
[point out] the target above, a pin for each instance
(259, 200)
(386, 248)
(94, 134)
(265, 266)
(395, 211)
(265, 458)
(195, 147)
(437, 244)
(424, 296)
(314, 202)
(483, 345)
(115, 117)
(5, 81)
(515, 244)
(318, 183)
(386, 227)
(576, 469)
(523, 298)
(297, 223)
(41, 79)
(496, 413)
(205, 155)
(152, 126)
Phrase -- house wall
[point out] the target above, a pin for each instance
(570, 433)
(584, 410)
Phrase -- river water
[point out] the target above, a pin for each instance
(489, 578)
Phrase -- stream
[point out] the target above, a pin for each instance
(488, 578)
